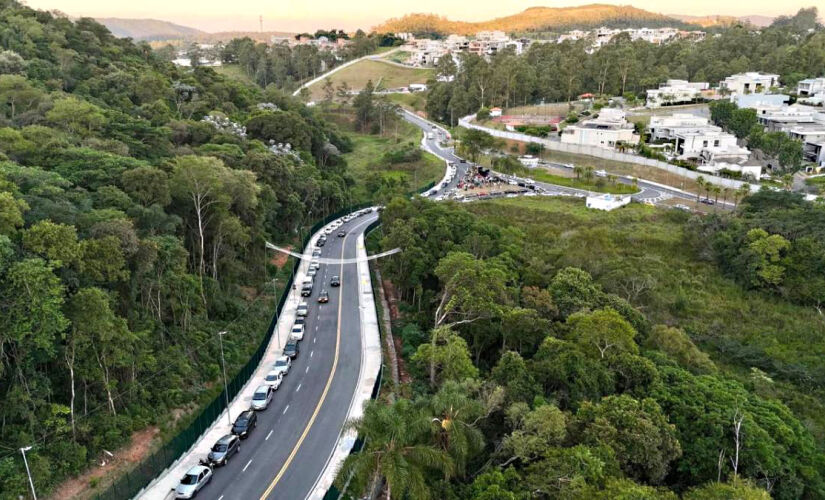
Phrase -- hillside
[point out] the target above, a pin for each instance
(389, 76)
(532, 19)
(147, 29)
(707, 21)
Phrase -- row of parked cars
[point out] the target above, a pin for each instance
(229, 445)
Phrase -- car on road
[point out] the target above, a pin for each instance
(323, 297)
(282, 365)
(274, 379)
(300, 320)
(335, 281)
(306, 289)
(312, 272)
(707, 201)
(223, 449)
(321, 241)
(316, 252)
(303, 309)
(193, 481)
(315, 264)
(262, 397)
(297, 332)
(291, 348)
(244, 424)
(342, 233)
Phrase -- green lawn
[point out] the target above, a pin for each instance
(414, 101)
(741, 329)
(598, 184)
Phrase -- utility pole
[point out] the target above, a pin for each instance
(225, 386)
(28, 472)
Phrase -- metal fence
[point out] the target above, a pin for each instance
(132, 482)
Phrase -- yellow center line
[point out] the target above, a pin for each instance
(329, 380)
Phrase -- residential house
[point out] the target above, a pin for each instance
(676, 92)
(608, 130)
(751, 82)
(810, 87)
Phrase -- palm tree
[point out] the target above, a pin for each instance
(396, 449)
(587, 173)
(700, 182)
(578, 171)
(725, 193)
(715, 190)
(457, 408)
(742, 193)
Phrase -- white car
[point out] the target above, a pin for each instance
(282, 365)
(303, 309)
(262, 397)
(314, 264)
(328, 230)
(297, 332)
(195, 478)
(273, 379)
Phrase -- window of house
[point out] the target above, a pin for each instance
(704, 144)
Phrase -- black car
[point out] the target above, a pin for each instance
(342, 233)
(323, 298)
(335, 281)
(708, 201)
(244, 424)
(321, 242)
(291, 349)
(223, 449)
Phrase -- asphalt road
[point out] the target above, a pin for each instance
(648, 192)
(283, 457)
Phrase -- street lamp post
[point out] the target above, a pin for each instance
(225, 386)
(28, 472)
(275, 328)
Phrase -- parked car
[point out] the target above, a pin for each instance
(274, 379)
(244, 424)
(282, 365)
(708, 201)
(193, 481)
(335, 281)
(342, 233)
(316, 252)
(312, 272)
(321, 241)
(291, 348)
(306, 289)
(262, 397)
(297, 332)
(223, 449)
(303, 309)
(314, 264)
(323, 297)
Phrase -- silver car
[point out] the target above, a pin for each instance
(196, 478)
(282, 365)
(262, 397)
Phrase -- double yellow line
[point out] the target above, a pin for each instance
(303, 436)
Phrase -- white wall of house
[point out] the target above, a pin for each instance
(749, 83)
(606, 202)
(810, 87)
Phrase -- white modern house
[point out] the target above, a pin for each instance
(675, 92)
(810, 87)
(607, 130)
(752, 171)
(667, 127)
(606, 202)
(751, 82)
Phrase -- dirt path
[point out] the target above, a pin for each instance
(79, 487)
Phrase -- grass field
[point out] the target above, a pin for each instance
(234, 71)
(357, 76)
(415, 101)
(365, 163)
(592, 185)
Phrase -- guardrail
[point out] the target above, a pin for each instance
(132, 482)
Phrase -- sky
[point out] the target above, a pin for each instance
(304, 15)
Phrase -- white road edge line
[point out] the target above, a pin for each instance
(285, 409)
(247, 465)
(307, 370)
(311, 353)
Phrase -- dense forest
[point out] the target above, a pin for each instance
(559, 353)
(135, 199)
(793, 47)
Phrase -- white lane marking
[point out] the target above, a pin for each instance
(220, 497)
(314, 340)
(307, 370)
(316, 328)
(311, 353)
(266, 439)
(285, 409)
(298, 388)
(247, 465)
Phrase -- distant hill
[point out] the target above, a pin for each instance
(148, 29)
(533, 19)
(707, 21)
